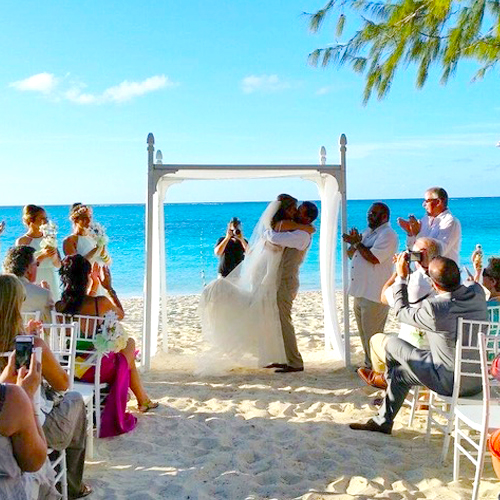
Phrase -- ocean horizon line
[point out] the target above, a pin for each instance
(137, 204)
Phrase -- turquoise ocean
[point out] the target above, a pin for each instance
(193, 229)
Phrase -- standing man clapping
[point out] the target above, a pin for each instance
(371, 253)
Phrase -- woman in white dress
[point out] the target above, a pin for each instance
(239, 313)
(47, 255)
(82, 243)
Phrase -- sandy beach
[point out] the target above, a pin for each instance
(254, 434)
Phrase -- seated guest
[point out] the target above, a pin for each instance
(407, 365)
(117, 369)
(47, 255)
(64, 418)
(491, 280)
(22, 442)
(419, 288)
(21, 262)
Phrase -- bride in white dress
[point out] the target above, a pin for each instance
(47, 256)
(239, 314)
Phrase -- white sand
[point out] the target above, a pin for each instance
(255, 434)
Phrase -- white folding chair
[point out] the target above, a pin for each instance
(472, 422)
(88, 328)
(62, 341)
(441, 408)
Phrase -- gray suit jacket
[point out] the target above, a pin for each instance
(438, 316)
(37, 299)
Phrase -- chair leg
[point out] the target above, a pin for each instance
(415, 391)
(447, 435)
(479, 465)
(429, 416)
(456, 451)
(97, 410)
(90, 429)
(64, 476)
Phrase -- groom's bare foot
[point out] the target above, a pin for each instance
(276, 365)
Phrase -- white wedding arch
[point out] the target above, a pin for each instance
(331, 182)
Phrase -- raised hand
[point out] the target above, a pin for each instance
(34, 327)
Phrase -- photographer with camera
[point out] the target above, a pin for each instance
(231, 248)
(419, 288)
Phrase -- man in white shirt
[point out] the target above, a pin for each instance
(371, 253)
(21, 262)
(437, 223)
(419, 288)
(295, 245)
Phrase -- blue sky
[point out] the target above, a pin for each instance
(83, 83)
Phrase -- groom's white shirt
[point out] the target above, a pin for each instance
(299, 240)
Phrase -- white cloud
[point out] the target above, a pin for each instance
(128, 90)
(263, 83)
(325, 90)
(63, 89)
(41, 82)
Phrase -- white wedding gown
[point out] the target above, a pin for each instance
(239, 314)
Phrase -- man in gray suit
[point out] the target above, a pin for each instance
(21, 262)
(434, 368)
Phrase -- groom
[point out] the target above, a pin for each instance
(295, 245)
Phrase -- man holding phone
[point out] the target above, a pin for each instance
(21, 262)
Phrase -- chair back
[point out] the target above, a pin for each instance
(87, 331)
(494, 317)
(31, 315)
(467, 355)
(62, 342)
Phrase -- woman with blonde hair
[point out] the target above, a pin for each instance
(64, 423)
(80, 241)
(47, 256)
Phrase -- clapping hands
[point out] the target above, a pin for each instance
(352, 237)
(411, 226)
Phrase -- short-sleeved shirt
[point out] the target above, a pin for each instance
(234, 253)
(367, 279)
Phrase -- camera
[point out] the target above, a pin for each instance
(236, 232)
(413, 256)
(24, 348)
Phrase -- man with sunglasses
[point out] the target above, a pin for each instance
(437, 223)
(21, 262)
(407, 365)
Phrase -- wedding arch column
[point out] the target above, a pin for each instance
(330, 180)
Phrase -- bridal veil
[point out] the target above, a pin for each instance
(239, 313)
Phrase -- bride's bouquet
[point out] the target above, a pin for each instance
(98, 233)
(49, 235)
(111, 337)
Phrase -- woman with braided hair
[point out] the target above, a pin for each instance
(117, 368)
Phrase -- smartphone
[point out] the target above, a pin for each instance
(469, 274)
(24, 348)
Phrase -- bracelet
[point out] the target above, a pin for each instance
(111, 291)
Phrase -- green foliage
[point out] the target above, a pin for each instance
(395, 33)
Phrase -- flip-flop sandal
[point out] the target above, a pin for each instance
(148, 405)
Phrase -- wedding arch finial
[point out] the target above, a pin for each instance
(151, 139)
(343, 140)
(159, 157)
(322, 155)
